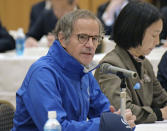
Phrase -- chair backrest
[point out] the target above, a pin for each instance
(6, 115)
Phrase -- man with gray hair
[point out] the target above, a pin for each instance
(59, 82)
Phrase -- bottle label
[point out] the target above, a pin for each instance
(52, 130)
(20, 46)
(57, 128)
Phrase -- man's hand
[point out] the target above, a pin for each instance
(112, 109)
(31, 42)
(164, 112)
(130, 118)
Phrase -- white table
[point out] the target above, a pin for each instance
(157, 126)
(13, 70)
(155, 57)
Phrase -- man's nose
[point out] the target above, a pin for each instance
(90, 42)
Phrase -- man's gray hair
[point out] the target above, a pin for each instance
(67, 22)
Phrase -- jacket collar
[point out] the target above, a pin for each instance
(128, 61)
(64, 60)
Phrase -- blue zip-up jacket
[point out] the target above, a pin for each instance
(57, 82)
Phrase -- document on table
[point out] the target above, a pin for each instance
(157, 126)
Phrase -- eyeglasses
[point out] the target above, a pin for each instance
(84, 38)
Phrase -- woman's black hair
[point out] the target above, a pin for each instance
(132, 22)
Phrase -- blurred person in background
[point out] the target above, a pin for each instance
(163, 3)
(6, 40)
(67, 85)
(136, 32)
(37, 10)
(163, 36)
(108, 12)
(45, 24)
(162, 71)
(162, 6)
(159, 3)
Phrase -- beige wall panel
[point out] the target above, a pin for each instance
(91, 5)
(15, 13)
(84, 4)
(95, 4)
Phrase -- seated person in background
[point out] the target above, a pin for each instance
(37, 9)
(47, 21)
(163, 35)
(63, 85)
(6, 40)
(162, 71)
(161, 3)
(136, 32)
(108, 12)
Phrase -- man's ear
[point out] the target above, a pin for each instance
(61, 39)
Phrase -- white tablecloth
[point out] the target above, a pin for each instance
(155, 57)
(157, 126)
(13, 70)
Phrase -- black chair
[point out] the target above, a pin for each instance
(6, 115)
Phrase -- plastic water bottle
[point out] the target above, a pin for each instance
(20, 38)
(52, 123)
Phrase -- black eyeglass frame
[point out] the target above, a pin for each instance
(84, 38)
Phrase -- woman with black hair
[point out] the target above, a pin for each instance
(136, 32)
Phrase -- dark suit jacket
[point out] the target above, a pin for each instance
(6, 41)
(100, 11)
(163, 34)
(162, 71)
(36, 11)
(113, 122)
(162, 3)
(44, 24)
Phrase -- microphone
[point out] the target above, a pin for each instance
(107, 68)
